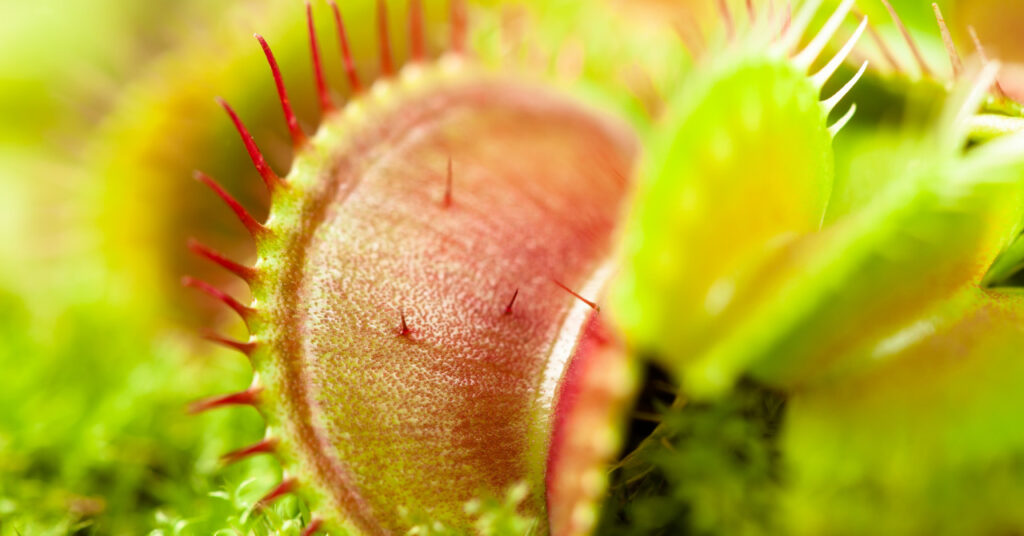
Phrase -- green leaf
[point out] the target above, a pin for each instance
(929, 442)
(935, 230)
(716, 301)
(742, 163)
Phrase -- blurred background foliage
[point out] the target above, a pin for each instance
(106, 109)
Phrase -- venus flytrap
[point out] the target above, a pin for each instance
(935, 229)
(881, 316)
(419, 328)
(922, 59)
(741, 166)
(927, 440)
(927, 419)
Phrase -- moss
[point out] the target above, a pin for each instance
(713, 468)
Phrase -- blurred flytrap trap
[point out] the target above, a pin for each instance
(571, 268)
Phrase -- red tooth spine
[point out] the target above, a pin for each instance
(459, 22)
(318, 69)
(386, 66)
(249, 397)
(346, 53)
(245, 272)
(266, 446)
(246, 348)
(255, 228)
(416, 30)
(218, 294)
(285, 487)
(298, 137)
(269, 177)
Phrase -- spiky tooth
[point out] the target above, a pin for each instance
(416, 30)
(831, 103)
(459, 23)
(786, 16)
(247, 273)
(255, 228)
(691, 36)
(810, 53)
(245, 347)
(918, 57)
(838, 125)
(243, 311)
(984, 58)
(387, 68)
(882, 47)
(266, 446)
(346, 52)
(272, 181)
(313, 527)
(249, 397)
(323, 94)
(298, 136)
(723, 10)
(775, 19)
(954, 56)
(819, 78)
(285, 487)
(795, 26)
